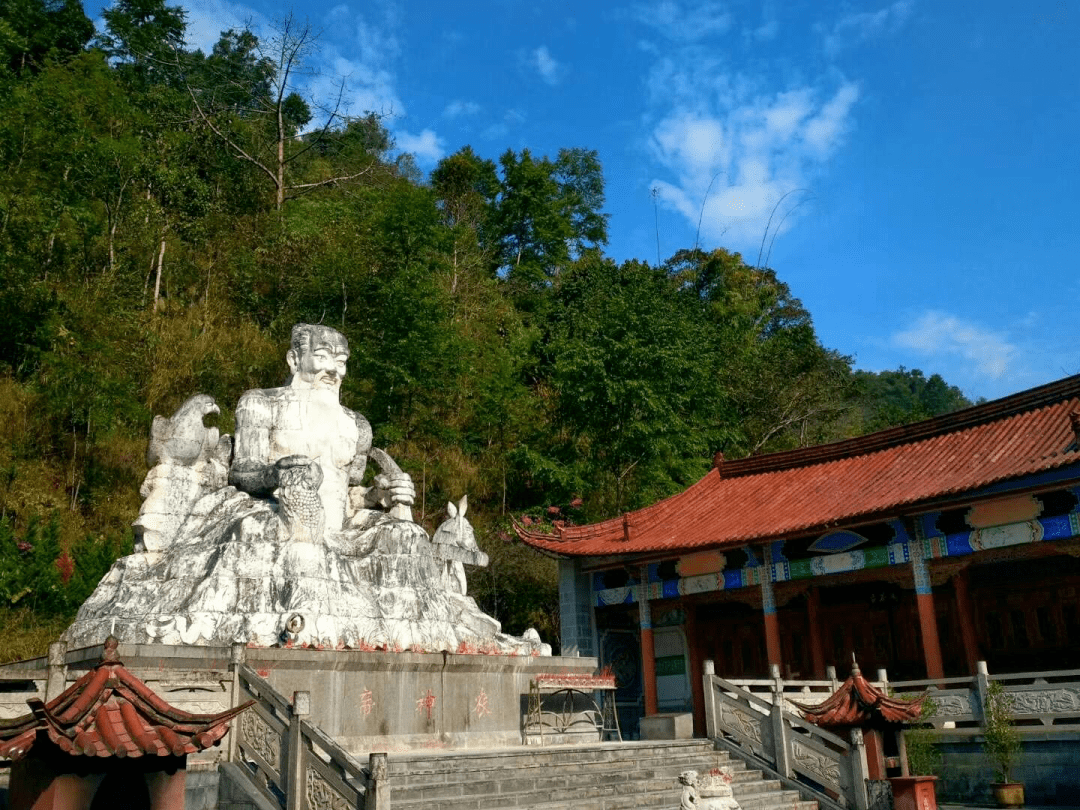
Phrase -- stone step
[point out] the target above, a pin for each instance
(612, 776)
(534, 756)
(516, 769)
(623, 780)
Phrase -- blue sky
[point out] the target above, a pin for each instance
(928, 151)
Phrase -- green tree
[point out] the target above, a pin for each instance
(34, 31)
(142, 37)
(546, 215)
(904, 396)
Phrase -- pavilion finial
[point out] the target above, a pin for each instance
(110, 655)
(855, 671)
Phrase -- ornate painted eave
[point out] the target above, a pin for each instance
(858, 703)
(1025, 440)
(108, 712)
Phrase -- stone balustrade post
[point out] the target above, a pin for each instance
(860, 769)
(982, 684)
(237, 658)
(294, 761)
(781, 738)
(830, 675)
(378, 793)
(57, 668)
(709, 670)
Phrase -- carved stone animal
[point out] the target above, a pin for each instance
(181, 438)
(301, 509)
(455, 542)
(187, 460)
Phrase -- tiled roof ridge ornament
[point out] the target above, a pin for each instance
(109, 712)
(1074, 422)
(110, 654)
(858, 703)
(718, 459)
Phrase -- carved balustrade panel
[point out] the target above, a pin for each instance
(745, 724)
(1048, 700)
(259, 736)
(325, 788)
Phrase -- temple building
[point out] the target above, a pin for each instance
(921, 549)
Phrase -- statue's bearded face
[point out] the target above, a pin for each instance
(320, 364)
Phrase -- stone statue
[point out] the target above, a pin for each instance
(689, 798)
(294, 548)
(455, 542)
(187, 460)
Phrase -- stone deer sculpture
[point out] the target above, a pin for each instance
(455, 542)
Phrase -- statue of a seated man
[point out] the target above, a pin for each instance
(293, 548)
(288, 432)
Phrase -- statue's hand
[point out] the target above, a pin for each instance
(286, 462)
(398, 489)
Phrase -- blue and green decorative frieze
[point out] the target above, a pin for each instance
(705, 572)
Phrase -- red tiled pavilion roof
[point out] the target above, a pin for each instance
(858, 703)
(816, 488)
(109, 712)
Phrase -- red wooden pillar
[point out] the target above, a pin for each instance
(924, 600)
(697, 691)
(768, 606)
(966, 617)
(648, 650)
(813, 616)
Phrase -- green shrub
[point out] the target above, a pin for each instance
(1001, 740)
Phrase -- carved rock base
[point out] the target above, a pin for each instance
(234, 576)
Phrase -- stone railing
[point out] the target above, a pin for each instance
(765, 732)
(292, 763)
(1042, 701)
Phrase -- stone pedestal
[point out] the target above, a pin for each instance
(667, 726)
(914, 792)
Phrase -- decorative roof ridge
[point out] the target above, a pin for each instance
(857, 702)
(81, 722)
(993, 411)
(638, 519)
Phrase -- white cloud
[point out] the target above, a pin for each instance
(499, 130)
(766, 31)
(862, 26)
(427, 146)
(206, 20)
(457, 108)
(685, 23)
(546, 65)
(734, 155)
(938, 334)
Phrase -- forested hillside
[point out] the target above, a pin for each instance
(166, 216)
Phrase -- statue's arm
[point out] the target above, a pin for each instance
(250, 469)
(363, 444)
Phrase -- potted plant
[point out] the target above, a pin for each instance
(921, 743)
(1001, 743)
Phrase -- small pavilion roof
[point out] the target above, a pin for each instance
(109, 712)
(857, 702)
(871, 477)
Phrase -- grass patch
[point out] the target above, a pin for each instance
(25, 634)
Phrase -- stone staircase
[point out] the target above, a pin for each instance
(609, 776)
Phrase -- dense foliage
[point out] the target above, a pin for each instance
(163, 223)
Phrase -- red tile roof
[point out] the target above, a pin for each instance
(109, 712)
(816, 488)
(859, 703)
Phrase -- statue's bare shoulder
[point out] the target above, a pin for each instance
(363, 430)
(256, 407)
